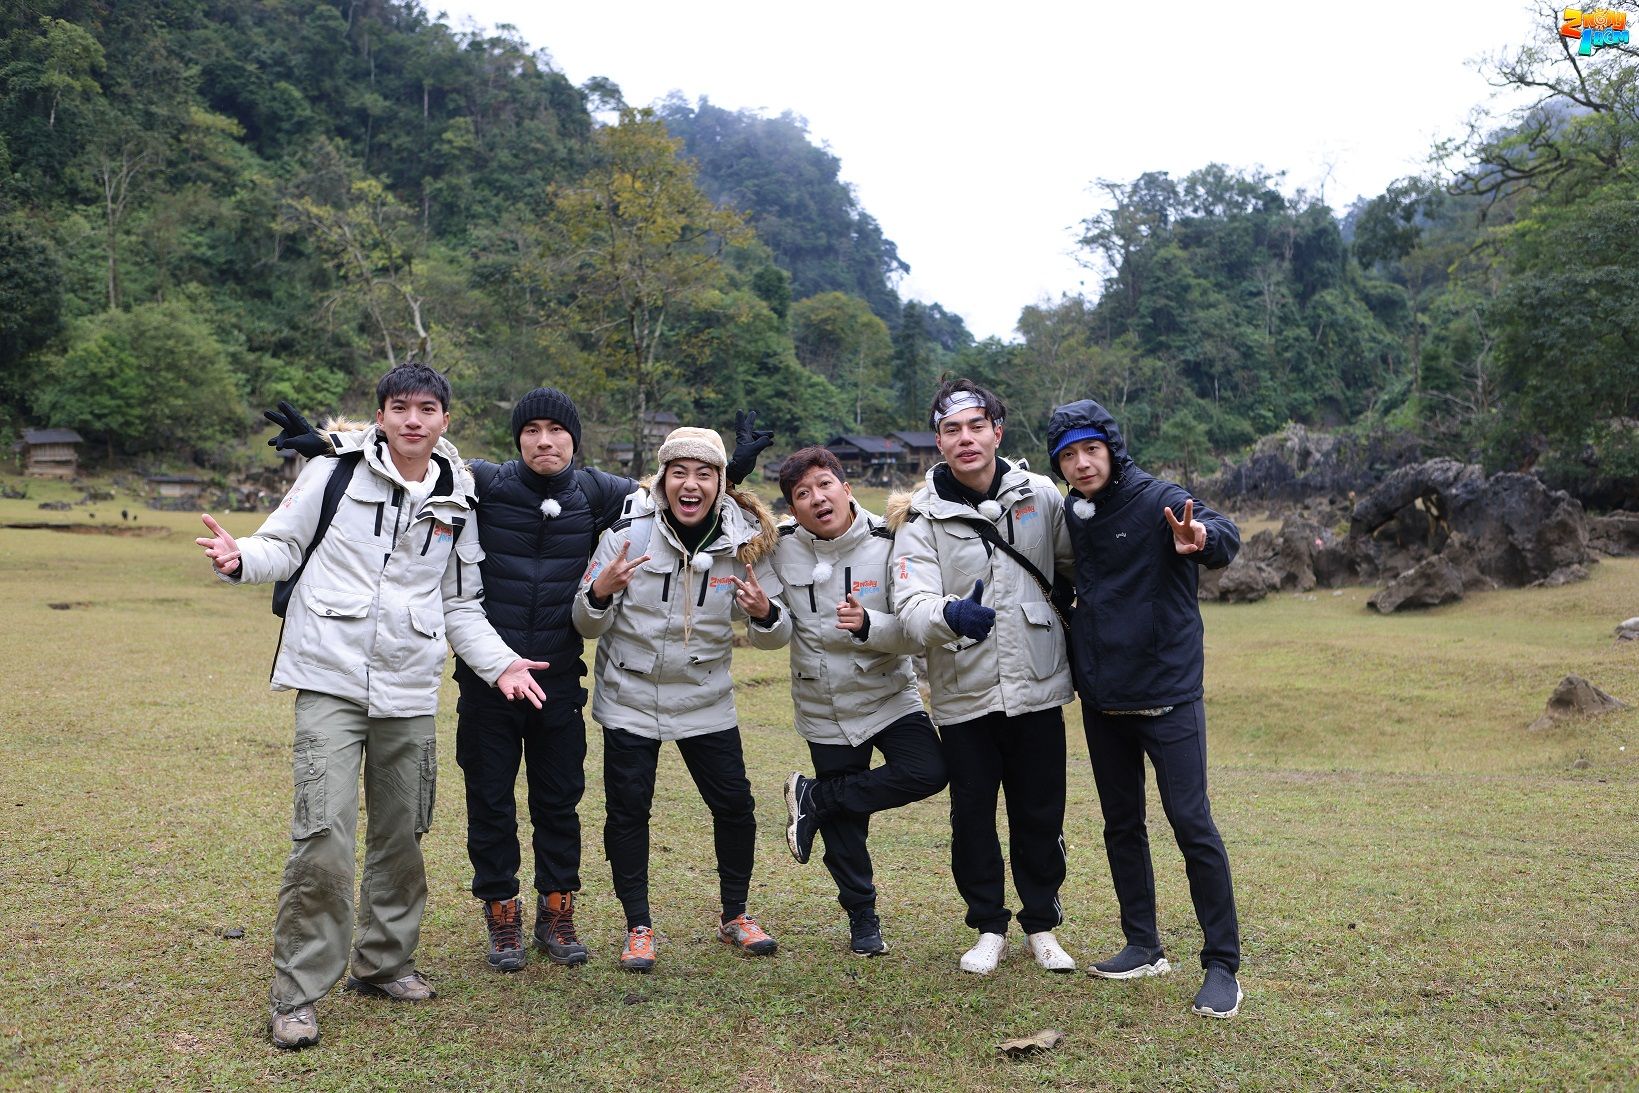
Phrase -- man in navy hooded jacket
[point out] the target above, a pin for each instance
(1137, 661)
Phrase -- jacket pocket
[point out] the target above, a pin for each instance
(308, 814)
(872, 664)
(1043, 639)
(426, 786)
(428, 621)
(630, 669)
(468, 577)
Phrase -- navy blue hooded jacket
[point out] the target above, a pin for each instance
(1136, 628)
(533, 562)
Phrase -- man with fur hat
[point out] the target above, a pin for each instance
(363, 645)
(852, 684)
(981, 527)
(542, 519)
(1138, 667)
(687, 557)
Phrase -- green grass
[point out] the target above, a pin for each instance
(1430, 895)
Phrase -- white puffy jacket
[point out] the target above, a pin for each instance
(845, 691)
(1023, 665)
(369, 618)
(652, 680)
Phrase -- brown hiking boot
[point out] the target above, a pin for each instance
(505, 921)
(555, 928)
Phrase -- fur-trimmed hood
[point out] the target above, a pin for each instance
(747, 521)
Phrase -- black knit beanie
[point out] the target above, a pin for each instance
(546, 402)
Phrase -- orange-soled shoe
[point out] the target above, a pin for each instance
(744, 934)
(638, 955)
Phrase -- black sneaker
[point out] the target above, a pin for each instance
(866, 931)
(1133, 962)
(801, 822)
(1220, 995)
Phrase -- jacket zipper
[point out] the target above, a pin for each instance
(666, 587)
(812, 606)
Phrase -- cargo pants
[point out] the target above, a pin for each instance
(314, 930)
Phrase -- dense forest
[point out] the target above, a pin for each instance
(210, 205)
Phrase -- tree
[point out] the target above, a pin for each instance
(838, 338)
(624, 248)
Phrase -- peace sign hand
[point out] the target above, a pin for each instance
(617, 575)
(1188, 534)
(219, 546)
(850, 614)
(750, 596)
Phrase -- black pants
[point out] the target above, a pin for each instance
(492, 735)
(1176, 744)
(1024, 756)
(850, 790)
(718, 768)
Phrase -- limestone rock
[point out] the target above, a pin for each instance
(1429, 583)
(1576, 697)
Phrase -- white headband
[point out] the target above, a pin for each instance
(956, 403)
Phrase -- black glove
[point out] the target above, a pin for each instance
(295, 434)
(969, 617)
(748, 445)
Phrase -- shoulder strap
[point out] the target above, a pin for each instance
(334, 487)
(987, 531)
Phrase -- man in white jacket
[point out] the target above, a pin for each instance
(982, 532)
(363, 645)
(852, 685)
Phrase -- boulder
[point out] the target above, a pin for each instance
(1429, 583)
(1615, 533)
(1576, 697)
(1628, 629)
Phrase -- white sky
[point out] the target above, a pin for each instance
(974, 133)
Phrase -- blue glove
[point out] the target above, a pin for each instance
(969, 617)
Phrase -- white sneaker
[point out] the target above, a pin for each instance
(1045, 948)
(983, 957)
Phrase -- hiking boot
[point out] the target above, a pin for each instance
(638, 955)
(555, 928)
(297, 1029)
(408, 988)
(1045, 948)
(744, 934)
(504, 920)
(1220, 995)
(801, 822)
(865, 929)
(1133, 962)
(984, 956)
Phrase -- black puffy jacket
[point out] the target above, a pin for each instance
(533, 562)
(1136, 628)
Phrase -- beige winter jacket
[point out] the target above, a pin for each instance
(1022, 666)
(844, 691)
(653, 679)
(369, 618)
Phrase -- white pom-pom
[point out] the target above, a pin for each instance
(550, 508)
(1085, 508)
(990, 510)
(701, 562)
(822, 571)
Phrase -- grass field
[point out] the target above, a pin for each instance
(1430, 895)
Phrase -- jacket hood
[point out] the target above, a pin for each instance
(1086, 414)
(747, 521)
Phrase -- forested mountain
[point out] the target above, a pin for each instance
(209, 205)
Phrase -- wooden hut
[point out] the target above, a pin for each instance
(168, 486)
(50, 453)
(872, 460)
(921, 451)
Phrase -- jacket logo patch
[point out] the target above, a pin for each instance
(904, 568)
(1120, 535)
(591, 573)
(442, 532)
(1025, 513)
(867, 588)
(719, 582)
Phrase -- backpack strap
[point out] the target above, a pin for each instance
(336, 485)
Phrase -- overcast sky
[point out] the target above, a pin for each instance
(974, 134)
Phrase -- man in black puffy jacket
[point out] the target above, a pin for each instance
(542, 517)
(1137, 661)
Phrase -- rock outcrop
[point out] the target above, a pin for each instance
(1576, 697)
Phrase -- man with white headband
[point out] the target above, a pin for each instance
(979, 550)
